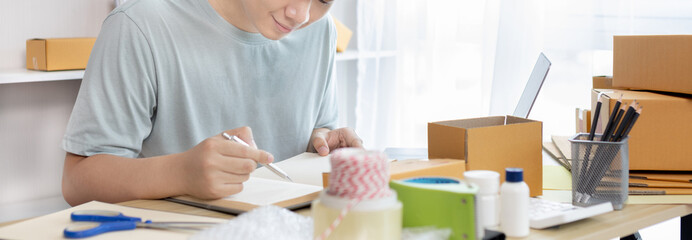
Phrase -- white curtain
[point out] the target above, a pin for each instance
(463, 59)
(434, 75)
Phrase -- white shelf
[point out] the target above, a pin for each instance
(21, 75)
(354, 54)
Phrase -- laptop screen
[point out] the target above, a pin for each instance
(533, 86)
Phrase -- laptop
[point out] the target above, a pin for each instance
(528, 97)
(533, 86)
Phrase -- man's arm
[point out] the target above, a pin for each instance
(110, 178)
(213, 169)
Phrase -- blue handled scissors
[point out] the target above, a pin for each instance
(94, 222)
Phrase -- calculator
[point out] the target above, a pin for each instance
(545, 213)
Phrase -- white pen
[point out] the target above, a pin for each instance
(269, 166)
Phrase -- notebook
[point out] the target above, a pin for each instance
(265, 188)
(634, 182)
(663, 176)
(659, 191)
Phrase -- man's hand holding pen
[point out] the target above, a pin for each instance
(217, 168)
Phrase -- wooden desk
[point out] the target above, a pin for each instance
(2, 224)
(606, 226)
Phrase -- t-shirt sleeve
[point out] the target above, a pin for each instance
(328, 113)
(117, 98)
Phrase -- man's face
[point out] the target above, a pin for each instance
(275, 19)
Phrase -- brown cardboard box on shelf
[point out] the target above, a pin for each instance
(343, 35)
(656, 62)
(420, 168)
(489, 143)
(58, 53)
(660, 139)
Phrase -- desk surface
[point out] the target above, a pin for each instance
(606, 226)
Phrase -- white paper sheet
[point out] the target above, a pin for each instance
(51, 226)
(259, 191)
(305, 168)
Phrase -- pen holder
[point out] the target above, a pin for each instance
(600, 171)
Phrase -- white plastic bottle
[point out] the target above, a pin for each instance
(488, 196)
(514, 200)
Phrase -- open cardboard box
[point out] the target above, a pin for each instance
(492, 143)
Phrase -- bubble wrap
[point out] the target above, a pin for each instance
(266, 222)
(425, 233)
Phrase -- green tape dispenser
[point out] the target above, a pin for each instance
(439, 202)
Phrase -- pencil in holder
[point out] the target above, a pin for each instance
(600, 171)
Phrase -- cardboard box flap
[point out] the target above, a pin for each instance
(474, 122)
(449, 144)
(515, 120)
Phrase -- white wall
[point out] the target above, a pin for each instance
(26, 19)
(33, 116)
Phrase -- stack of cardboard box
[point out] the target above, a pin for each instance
(656, 71)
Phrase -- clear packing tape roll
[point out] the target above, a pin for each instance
(358, 203)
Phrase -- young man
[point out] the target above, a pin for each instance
(166, 78)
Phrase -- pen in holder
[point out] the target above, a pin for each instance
(600, 171)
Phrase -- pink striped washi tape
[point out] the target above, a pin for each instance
(359, 174)
(356, 175)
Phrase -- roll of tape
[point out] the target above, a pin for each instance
(432, 180)
(442, 202)
(359, 175)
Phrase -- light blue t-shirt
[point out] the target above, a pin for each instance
(165, 75)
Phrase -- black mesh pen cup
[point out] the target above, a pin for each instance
(600, 171)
